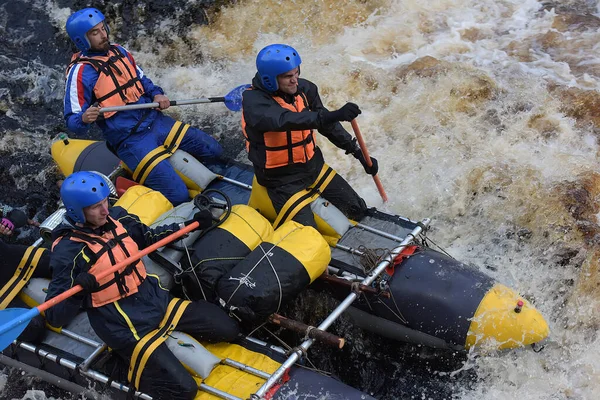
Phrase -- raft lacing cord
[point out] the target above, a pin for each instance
(425, 240)
(307, 333)
(292, 349)
(265, 254)
(397, 315)
(193, 268)
(369, 260)
(196, 276)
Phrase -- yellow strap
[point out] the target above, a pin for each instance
(305, 197)
(23, 273)
(127, 320)
(163, 152)
(146, 346)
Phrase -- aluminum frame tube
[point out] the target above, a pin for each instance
(86, 363)
(379, 232)
(216, 392)
(234, 182)
(73, 366)
(245, 368)
(335, 314)
(79, 338)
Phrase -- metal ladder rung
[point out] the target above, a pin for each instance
(216, 392)
(245, 368)
(239, 366)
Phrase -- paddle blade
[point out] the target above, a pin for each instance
(13, 321)
(233, 99)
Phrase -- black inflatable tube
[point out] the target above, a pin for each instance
(392, 330)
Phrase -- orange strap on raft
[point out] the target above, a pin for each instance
(405, 253)
(271, 393)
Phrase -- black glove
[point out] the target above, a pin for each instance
(204, 218)
(372, 170)
(347, 113)
(87, 281)
(18, 218)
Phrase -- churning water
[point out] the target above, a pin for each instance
(484, 115)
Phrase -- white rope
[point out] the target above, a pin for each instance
(265, 254)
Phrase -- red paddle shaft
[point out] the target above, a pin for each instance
(76, 289)
(363, 148)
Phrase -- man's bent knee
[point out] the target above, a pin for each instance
(189, 388)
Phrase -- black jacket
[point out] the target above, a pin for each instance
(118, 325)
(263, 114)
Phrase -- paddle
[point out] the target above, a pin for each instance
(14, 320)
(363, 148)
(232, 100)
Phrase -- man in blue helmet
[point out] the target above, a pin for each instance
(105, 75)
(125, 307)
(280, 112)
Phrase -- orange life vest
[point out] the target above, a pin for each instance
(108, 249)
(279, 149)
(118, 83)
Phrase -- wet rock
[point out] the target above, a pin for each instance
(429, 24)
(575, 22)
(584, 302)
(470, 86)
(547, 127)
(569, 256)
(550, 40)
(524, 234)
(425, 67)
(580, 199)
(473, 34)
(521, 50)
(477, 87)
(570, 7)
(583, 105)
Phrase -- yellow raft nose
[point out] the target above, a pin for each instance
(66, 153)
(505, 320)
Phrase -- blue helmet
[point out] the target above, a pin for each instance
(82, 189)
(80, 22)
(273, 60)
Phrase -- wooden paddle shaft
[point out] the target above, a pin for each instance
(363, 148)
(310, 331)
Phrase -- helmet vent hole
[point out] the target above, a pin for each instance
(287, 59)
(91, 16)
(94, 189)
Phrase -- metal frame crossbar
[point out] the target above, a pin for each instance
(337, 312)
(84, 367)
